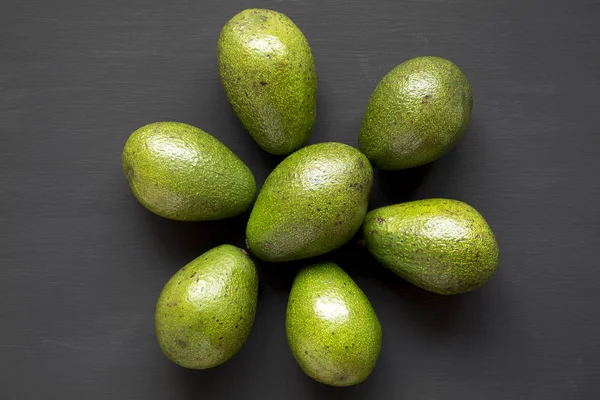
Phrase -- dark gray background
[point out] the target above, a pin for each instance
(83, 262)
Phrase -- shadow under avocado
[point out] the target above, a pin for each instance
(198, 381)
(320, 391)
(435, 316)
(189, 240)
(392, 187)
(280, 275)
(270, 161)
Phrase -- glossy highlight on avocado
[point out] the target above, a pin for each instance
(180, 172)
(205, 312)
(416, 114)
(312, 203)
(441, 245)
(332, 329)
(268, 72)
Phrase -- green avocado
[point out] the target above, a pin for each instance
(269, 76)
(332, 330)
(441, 245)
(205, 312)
(180, 172)
(312, 203)
(418, 112)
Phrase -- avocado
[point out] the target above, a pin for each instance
(268, 72)
(313, 202)
(332, 330)
(180, 172)
(206, 310)
(441, 245)
(417, 113)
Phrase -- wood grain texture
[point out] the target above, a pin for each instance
(83, 263)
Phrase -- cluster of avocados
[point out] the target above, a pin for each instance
(313, 202)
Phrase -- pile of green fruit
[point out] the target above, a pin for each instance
(313, 202)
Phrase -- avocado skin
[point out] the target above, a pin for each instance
(268, 72)
(206, 310)
(441, 245)
(313, 202)
(332, 329)
(416, 114)
(180, 172)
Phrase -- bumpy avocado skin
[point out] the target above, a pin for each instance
(441, 245)
(269, 76)
(332, 329)
(205, 312)
(417, 113)
(180, 172)
(312, 203)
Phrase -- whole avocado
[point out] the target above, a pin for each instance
(441, 245)
(332, 329)
(269, 76)
(418, 112)
(180, 172)
(205, 312)
(312, 203)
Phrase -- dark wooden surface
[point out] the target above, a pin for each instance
(83, 262)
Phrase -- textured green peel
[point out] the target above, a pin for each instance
(332, 329)
(418, 112)
(441, 245)
(269, 76)
(312, 203)
(205, 312)
(180, 172)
